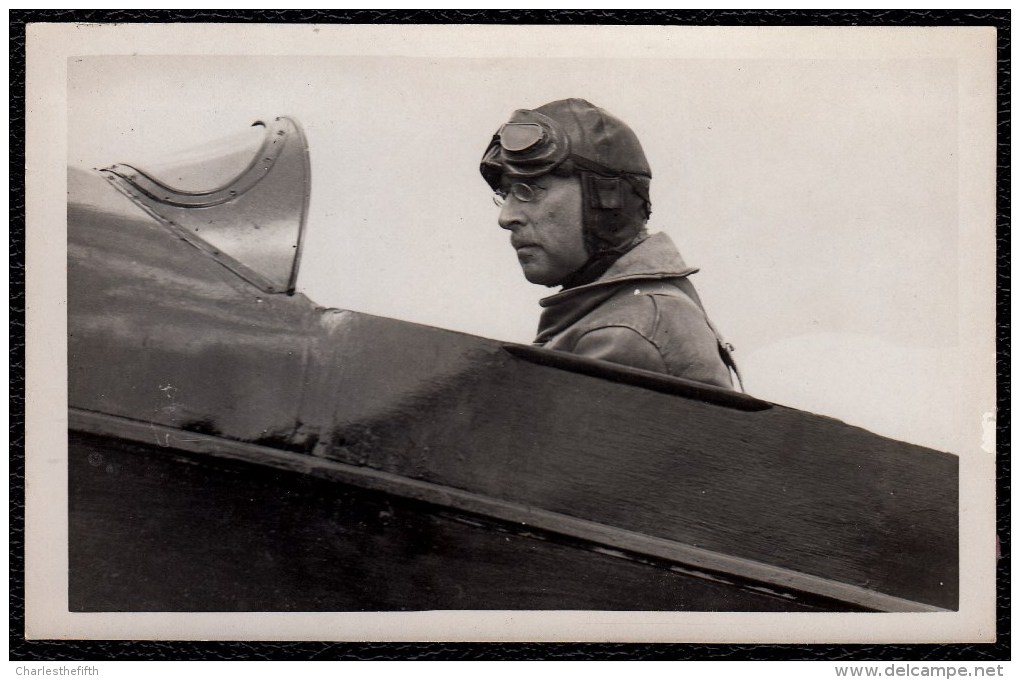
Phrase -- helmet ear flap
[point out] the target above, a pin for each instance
(608, 212)
(604, 192)
(602, 209)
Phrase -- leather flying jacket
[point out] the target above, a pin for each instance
(638, 314)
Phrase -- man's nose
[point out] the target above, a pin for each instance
(510, 215)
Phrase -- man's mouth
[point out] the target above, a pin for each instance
(526, 254)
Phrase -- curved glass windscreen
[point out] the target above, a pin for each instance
(207, 166)
(242, 200)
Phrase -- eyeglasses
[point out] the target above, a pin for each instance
(522, 191)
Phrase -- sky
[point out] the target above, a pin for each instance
(823, 192)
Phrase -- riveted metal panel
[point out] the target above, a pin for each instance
(253, 224)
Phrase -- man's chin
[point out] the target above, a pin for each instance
(538, 276)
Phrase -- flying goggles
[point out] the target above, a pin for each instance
(532, 144)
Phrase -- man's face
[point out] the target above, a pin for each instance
(546, 231)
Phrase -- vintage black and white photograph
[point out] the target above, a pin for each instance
(390, 330)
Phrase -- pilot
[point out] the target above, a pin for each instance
(572, 183)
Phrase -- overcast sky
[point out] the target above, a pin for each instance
(819, 195)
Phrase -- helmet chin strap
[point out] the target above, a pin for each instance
(599, 261)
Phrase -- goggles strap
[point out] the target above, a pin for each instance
(600, 169)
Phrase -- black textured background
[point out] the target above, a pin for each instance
(20, 649)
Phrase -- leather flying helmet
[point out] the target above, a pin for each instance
(573, 136)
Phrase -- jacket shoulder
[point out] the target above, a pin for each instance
(646, 306)
(655, 316)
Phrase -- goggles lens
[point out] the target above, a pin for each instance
(516, 137)
(522, 191)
